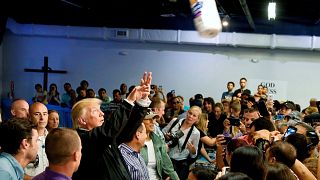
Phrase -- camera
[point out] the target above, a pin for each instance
(234, 121)
(174, 138)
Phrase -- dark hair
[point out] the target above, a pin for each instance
(284, 152)
(299, 141)
(53, 85)
(131, 88)
(101, 89)
(209, 100)
(12, 132)
(235, 176)
(262, 123)
(248, 160)
(84, 82)
(243, 79)
(66, 84)
(234, 144)
(115, 91)
(203, 173)
(279, 171)
(37, 85)
(230, 82)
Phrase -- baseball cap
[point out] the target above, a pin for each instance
(150, 114)
(288, 105)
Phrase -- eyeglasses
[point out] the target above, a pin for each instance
(176, 102)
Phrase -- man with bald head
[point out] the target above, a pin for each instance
(39, 116)
(20, 108)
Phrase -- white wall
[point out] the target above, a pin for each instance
(189, 69)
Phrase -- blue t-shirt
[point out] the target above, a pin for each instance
(10, 169)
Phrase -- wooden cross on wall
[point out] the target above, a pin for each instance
(45, 70)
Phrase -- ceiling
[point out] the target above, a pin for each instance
(293, 17)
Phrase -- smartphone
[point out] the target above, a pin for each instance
(227, 139)
(152, 86)
(279, 117)
(270, 97)
(225, 170)
(263, 109)
(234, 121)
(290, 130)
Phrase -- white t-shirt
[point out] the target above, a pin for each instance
(152, 163)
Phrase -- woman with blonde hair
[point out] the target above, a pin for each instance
(185, 146)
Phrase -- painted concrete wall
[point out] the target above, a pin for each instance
(188, 69)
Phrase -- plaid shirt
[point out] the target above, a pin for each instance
(135, 163)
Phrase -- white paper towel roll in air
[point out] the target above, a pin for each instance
(206, 17)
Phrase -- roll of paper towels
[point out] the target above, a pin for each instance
(206, 17)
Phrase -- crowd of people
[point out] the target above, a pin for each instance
(145, 134)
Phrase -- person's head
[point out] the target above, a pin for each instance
(279, 171)
(20, 108)
(243, 83)
(248, 160)
(102, 93)
(67, 87)
(287, 108)
(230, 86)
(86, 114)
(123, 88)
(313, 102)
(136, 137)
(176, 104)
(310, 134)
(116, 95)
(310, 110)
(208, 104)
(226, 106)
(53, 119)
(282, 152)
(260, 124)
(158, 106)
(202, 124)
(218, 110)
(201, 174)
(265, 90)
(38, 87)
(299, 141)
(235, 108)
(90, 93)
(260, 89)
(235, 176)
(19, 137)
(149, 121)
(39, 114)
(70, 154)
(84, 84)
(193, 115)
(82, 91)
(53, 87)
(249, 115)
(232, 145)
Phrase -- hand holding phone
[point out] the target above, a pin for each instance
(290, 130)
(234, 121)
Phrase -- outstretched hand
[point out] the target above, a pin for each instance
(142, 91)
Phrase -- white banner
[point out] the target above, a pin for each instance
(277, 88)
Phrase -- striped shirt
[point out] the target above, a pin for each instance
(135, 163)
